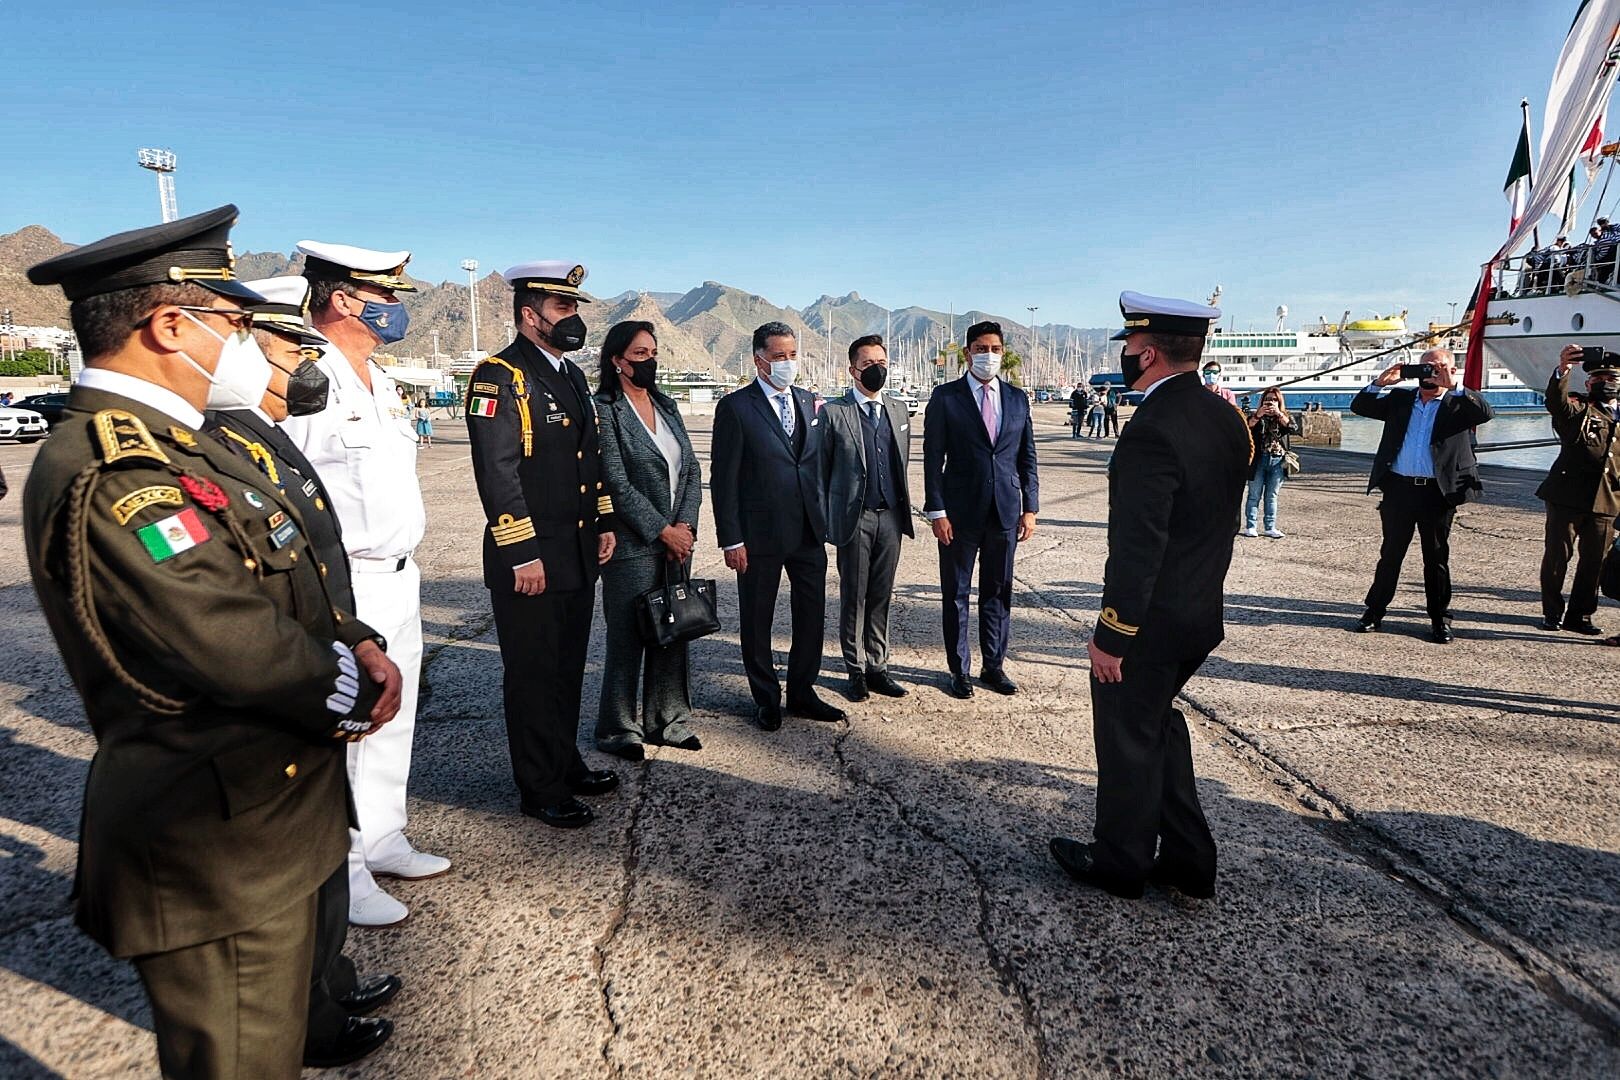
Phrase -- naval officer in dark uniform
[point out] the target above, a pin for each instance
(219, 677)
(1174, 486)
(550, 526)
(338, 1032)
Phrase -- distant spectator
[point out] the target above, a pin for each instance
(1212, 383)
(1111, 413)
(424, 422)
(1077, 410)
(1270, 426)
(1094, 417)
(5, 400)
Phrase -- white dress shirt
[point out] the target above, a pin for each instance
(667, 444)
(150, 394)
(364, 448)
(979, 389)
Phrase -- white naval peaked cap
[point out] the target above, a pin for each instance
(345, 262)
(1164, 315)
(286, 301)
(549, 275)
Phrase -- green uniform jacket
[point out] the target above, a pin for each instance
(1586, 476)
(216, 674)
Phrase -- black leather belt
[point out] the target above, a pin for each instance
(1415, 481)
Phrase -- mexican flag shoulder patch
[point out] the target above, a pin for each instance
(481, 406)
(167, 538)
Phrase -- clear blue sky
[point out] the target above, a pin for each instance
(992, 156)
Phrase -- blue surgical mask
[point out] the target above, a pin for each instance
(388, 321)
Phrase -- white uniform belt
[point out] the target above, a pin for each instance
(379, 566)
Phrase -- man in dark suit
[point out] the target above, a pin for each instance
(338, 1032)
(1582, 489)
(220, 678)
(981, 494)
(1174, 486)
(550, 526)
(769, 516)
(1426, 469)
(864, 454)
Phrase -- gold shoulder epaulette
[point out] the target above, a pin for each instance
(123, 435)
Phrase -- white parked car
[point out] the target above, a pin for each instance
(22, 425)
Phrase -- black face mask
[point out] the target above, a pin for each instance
(1131, 366)
(307, 386)
(1428, 384)
(874, 377)
(643, 373)
(567, 335)
(1605, 391)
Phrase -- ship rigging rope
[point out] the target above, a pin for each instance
(1402, 347)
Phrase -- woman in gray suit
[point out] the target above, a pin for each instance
(653, 476)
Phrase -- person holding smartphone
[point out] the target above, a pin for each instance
(1425, 469)
(1270, 427)
(1582, 489)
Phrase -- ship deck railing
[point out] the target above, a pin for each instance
(1591, 267)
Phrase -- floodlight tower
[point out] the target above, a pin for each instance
(161, 162)
(471, 266)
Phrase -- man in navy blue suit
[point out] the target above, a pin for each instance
(769, 516)
(981, 494)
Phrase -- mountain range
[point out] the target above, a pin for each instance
(708, 328)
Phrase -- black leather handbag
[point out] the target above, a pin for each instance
(681, 609)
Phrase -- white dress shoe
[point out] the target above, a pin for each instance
(378, 909)
(415, 866)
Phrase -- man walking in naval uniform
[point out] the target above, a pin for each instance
(364, 449)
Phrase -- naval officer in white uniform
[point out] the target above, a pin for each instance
(364, 449)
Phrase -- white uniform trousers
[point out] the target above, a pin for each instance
(380, 764)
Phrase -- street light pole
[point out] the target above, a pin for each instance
(471, 266)
(1454, 313)
(1033, 308)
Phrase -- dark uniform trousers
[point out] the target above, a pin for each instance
(1145, 787)
(866, 569)
(1585, 535)
(994, 549)
(543, 640)
(1408, 505)
(240, 1036)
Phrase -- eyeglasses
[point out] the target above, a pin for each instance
(241, 321)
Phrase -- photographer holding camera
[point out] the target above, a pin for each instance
(1269, 427)
(1582, 489)
(1425, 468)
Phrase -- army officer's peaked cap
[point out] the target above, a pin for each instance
(1164, 315)
(194, 250)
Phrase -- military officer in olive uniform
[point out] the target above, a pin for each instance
(1582, 489)
(1174, 485)
(338, 1031)
(550, 526)
(220, 679)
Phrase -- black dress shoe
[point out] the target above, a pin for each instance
(1550, 624)
(998, 681)
(568, 814)
(596, 782)
(768, 717)
(361, 1035)
(959, 687)
(813, 708)
(880, 683)
(857, 688)
(1441, 634)
(1583, 625)
(688, 743)
(1166, 876)
(1367, 625)
(1075, 858)
(628, 751)
(370, 997)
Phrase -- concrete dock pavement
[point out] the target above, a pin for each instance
(1420, 844)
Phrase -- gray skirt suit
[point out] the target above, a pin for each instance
(636, 474)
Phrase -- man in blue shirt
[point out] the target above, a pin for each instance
(1425, 468)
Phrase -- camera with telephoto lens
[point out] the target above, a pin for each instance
(1417, 371)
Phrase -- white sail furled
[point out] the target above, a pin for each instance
(1582, 82)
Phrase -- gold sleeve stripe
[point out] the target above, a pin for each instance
(509, 530)
(604, 504)
(1110, 619)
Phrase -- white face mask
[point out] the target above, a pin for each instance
(240, 377)
(783, 372)
(986, 365)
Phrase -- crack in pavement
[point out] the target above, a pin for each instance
(1561, 982)
(616, 920)
(1006, 973)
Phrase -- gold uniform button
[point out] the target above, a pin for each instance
(291, 770)
(323, 568)
(599, 485)
(582, 489)
(581, 523)
(565, 421)
(250, 564)
(579, 455)
(319, 503)
(292, 556)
